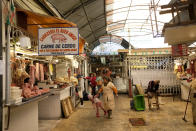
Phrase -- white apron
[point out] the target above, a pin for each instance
(80, 92)
(108, 97)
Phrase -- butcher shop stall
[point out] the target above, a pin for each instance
(38, 87)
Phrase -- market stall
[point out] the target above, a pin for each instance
(117, 65)
(182, 65)
(153, 64)
(24, 71)
(33, 81)
(183, 68)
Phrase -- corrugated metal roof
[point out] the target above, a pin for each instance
(133, 20)
(31, 5)
(89, 15)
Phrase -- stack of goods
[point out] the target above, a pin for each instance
(16, 93)
(29, 92)
(62, 81)
(74, 80)
(65, 81)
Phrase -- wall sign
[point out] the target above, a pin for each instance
(58, 41)
(179, 50)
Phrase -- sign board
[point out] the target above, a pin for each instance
(161, 51)
(123, 51)
(58, 41)
(179, 50)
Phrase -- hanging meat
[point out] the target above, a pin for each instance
(18, 72)
(37, 71)
(41, 71)
(32, 74)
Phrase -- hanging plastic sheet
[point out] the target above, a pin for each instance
(103, 60)
(51, 69)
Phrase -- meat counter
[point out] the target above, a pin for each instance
(24, 115)
(51, 108)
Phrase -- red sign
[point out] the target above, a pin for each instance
(179, 50)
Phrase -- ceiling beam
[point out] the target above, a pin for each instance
(174, 10)
(105, 14)
(150, 13)
(91, 21)
(128, 13)
(98, 30)
(68, 13)
(108, 12)
(87, 18)
(175, 4)
(134, 20)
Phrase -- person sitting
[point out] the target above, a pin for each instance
(152, 90)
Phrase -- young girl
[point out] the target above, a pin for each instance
(98, 104)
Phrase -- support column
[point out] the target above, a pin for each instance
(1, 75)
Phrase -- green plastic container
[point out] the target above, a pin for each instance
(139, 102)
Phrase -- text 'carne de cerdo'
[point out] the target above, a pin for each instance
(52, 46)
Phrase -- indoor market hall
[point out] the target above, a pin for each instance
(98, 65)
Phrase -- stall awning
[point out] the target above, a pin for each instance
(36, 21)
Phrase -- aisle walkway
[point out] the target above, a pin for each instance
(169, 118)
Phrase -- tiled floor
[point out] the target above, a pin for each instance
(47, 125)
(168, 118)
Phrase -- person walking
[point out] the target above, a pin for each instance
(93, 83)
(108, 97)
(99, 80)
(80, 88)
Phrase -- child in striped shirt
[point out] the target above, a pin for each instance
(98, 104)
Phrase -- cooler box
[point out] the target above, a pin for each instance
(139, 103)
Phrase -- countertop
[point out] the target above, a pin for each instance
(37, 98)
